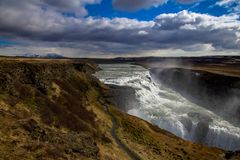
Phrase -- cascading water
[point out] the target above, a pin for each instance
(169, 110)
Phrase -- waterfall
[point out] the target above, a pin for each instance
(169, 110)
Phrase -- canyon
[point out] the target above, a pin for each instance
(56, 109)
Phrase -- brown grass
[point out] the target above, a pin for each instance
(68, 122)
(153, 143)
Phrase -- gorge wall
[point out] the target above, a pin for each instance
(216, 92)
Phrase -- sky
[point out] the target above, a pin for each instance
(120, 28)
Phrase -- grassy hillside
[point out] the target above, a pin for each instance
(55, 110)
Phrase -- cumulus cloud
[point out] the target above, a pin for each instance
(193, 28)
(35, 24)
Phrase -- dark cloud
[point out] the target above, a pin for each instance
(75, 6)
(187, 1)
(134, 5)
(33, 24)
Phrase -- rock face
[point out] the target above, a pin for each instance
(216, 92)
(124, 97)
(38, 75)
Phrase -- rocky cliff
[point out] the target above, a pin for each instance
(57, 110)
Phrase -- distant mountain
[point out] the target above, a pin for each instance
(49, 55)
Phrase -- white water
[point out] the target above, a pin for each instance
(169, 110)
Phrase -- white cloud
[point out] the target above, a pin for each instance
(142, 32)
(232, 5)
(226, 2)
(35, 26)
(186, 19)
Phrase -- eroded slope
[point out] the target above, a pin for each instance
(55, 110)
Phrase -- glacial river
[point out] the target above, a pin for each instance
(169, 110)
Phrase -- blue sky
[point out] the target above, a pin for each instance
(111, 28)
(105, 9)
